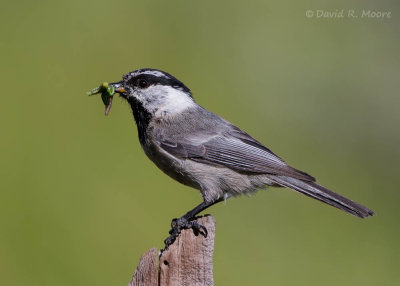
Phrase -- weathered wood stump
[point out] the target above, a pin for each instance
(188, 261)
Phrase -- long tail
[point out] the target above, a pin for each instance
(322, 194)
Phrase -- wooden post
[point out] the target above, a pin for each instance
(187, 262)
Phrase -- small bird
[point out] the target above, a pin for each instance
(200, 149)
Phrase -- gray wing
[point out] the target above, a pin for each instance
(236, 150)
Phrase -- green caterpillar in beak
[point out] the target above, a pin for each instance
(107, 93)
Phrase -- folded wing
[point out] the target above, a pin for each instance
(236, 150)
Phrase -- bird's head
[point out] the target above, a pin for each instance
(155, 91)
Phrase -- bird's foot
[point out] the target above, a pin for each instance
(178, 224)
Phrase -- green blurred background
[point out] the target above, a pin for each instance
(80, 202)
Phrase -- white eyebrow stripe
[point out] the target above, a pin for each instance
(150, 72)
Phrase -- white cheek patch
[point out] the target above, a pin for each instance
(166, 100)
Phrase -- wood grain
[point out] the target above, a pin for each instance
(188, 261)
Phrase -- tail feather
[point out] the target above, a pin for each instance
(322, 194)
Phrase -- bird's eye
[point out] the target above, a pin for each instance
(142, 83)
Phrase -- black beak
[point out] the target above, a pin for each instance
(117, 86)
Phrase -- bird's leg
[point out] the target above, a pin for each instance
(189, 221)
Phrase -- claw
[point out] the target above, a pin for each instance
(177, 225)
(204, 232)
(199, 229)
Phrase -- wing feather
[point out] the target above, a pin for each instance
(238, 151)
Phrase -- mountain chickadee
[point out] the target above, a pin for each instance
(200, 149)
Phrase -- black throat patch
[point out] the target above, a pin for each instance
(142, 118)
